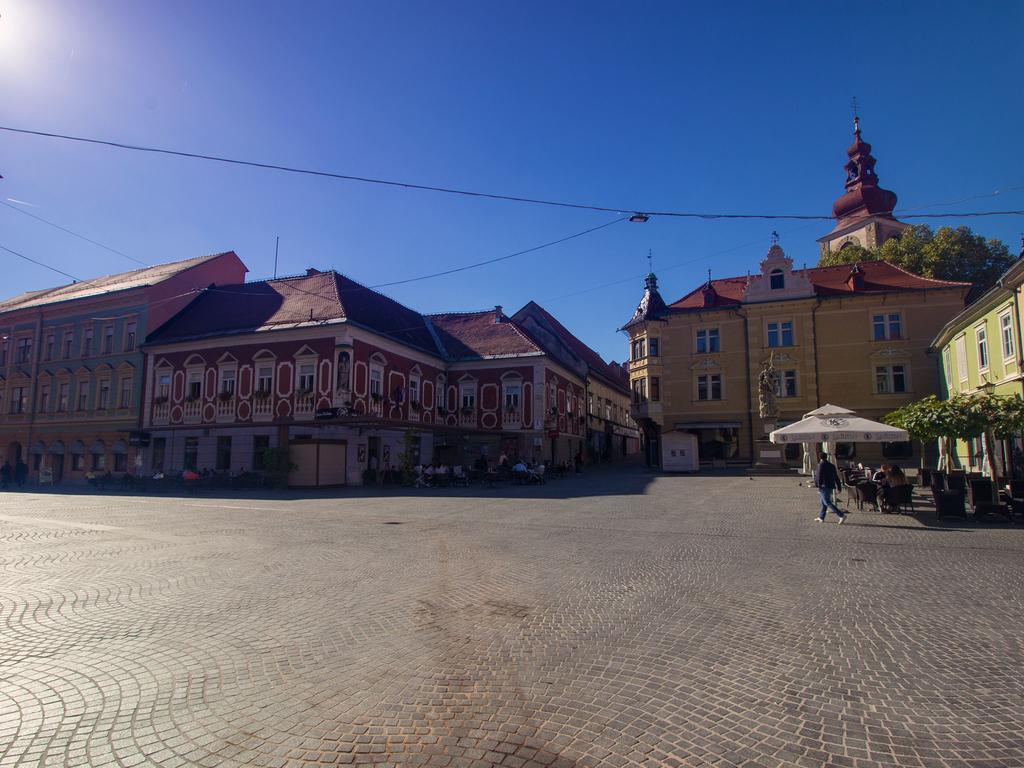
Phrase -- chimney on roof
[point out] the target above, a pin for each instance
(310, 271)
(498, 314)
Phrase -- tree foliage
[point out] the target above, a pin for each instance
(946, 254)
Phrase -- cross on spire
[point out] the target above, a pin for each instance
(855, 106)
(650, 260)
(775, 237)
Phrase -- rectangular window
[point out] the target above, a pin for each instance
(707, 340)
(99, 462)
(191, 453)
(83, 396)
(780, 334)
(376, 382)
(67, 341)
(223, 454)
(890, 379)
(129, 337)
(19, 399)
(1006, 335)
(468, 397)
(260, 443)
(126, 392)
(961, 358)
(87, 341)
(439, 395)
(655, 389)
(264, 380)
(159, 453)
(44, 398)
(3, 351)
(787, 384)
(414, 389)
(639, 390)
(709, 387)
(24, 353)
(513, 392)
(639, 349)
(120, 462)
(163, 387)
(887, 326)
(63, 394)
(227, 383)
(306, 377)
(981, 335)
(77, 461)
(947, 369)
(195, 387)
(51, 345)
(652, 347)
(108, 339)
(103, 399)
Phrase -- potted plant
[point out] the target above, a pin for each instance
(224, 395)
(467, 411)
(159, 399)
(414, 405)
(375, 397)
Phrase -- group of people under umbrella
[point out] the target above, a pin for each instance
(828, 425)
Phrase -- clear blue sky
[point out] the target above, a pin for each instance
(735, 107)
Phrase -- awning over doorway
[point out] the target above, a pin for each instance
(39, 448)
(98, 446)
(77, 447)
(57, 447)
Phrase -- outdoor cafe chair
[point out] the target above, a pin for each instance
(866, 492)
(982, 497)
(897, 497)
(1015, 497)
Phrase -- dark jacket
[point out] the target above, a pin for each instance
(826, 475)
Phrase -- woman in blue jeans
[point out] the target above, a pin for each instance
(826, 478)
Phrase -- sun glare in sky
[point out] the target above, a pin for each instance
(21, 31)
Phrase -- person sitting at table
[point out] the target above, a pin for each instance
(879, 475)
(895, 476)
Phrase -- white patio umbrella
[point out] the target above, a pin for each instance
(807, 461)
(838, 428)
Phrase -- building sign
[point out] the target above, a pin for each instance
(325, 414)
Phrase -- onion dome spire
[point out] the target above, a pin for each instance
(863, 195)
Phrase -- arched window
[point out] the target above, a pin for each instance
(777, 279)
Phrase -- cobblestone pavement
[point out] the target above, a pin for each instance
(619, 619)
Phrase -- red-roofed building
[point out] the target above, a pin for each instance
(350, 379)
(71, 370)
(856, 336)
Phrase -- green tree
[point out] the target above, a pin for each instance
(946, 254)
(278, 464)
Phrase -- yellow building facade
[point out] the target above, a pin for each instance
(855, 335)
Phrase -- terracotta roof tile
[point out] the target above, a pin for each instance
(878, 277)
(96, 286)
(476, 335)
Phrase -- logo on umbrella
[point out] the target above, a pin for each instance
(835, 421)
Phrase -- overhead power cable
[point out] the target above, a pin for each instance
(465, 192)
(73, 233)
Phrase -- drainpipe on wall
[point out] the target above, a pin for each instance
(814, 347)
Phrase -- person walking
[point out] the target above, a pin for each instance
(20, 473)
(826, 478)
(6, 475)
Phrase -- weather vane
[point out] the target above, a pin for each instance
(855, 106)
(775, 237)
(650, 261)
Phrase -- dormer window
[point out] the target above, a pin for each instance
(777, 279)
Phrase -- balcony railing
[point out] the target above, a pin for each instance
(162, 413)
(263, 409)
(304, 406)
(511, 418)
(467, 419)
(193, 411)
(225, 409)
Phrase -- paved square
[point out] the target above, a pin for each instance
(618, 619)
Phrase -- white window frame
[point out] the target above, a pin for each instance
(124, 397)
(780, 332)
(709, 383)
(467, 395)
(302, 375)
(104, 388)
(1006, 334)
(376, 378)
(947, 367)
(961, 357)
(981, 346)
(780, 390)
(887, 373)
(706, 335)
(227, 381)
(512, 395)
(265, 372)
(415, 391)
(889, 320)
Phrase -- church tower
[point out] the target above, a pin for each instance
(864, 213)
